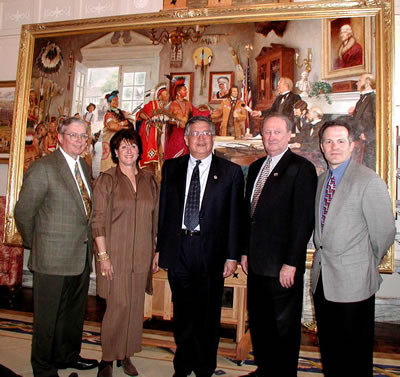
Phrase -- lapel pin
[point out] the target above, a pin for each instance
(275, 174)
(215, 177)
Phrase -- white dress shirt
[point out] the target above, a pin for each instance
(204, 169)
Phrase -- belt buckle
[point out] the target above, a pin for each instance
(190, 233)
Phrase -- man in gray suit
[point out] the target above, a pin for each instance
(354, 228)
(53, 214)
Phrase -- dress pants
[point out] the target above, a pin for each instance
(275, 324)
(346, 335)
(197, 298)
(59, 309)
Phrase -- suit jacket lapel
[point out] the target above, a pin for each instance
(341, 193)
(69, 180)
(278, 169)
(181, 181)
(213, 176)
(318, 199)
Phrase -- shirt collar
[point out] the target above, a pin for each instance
(284, 93)
(367, 91)
(279, 156)
(339, 171)
(204, 162)
(69, 159)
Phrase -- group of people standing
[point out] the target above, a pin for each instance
(198, 225)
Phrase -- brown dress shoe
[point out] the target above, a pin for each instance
(105, 369)
(128, 367)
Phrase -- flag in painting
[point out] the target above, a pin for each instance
(246, 89)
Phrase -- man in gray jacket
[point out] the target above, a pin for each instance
(354, 228)
(53, 214)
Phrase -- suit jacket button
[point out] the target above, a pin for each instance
(321, 247)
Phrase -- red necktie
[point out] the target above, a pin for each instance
(329, 192)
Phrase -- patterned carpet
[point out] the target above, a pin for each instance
(156, 360)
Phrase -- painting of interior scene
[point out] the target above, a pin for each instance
(7, 90)
(154, 80)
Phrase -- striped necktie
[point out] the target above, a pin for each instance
(84, 192)
(260, 184)
(329, 192)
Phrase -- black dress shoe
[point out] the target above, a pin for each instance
(83, 364)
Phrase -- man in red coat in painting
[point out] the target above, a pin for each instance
(350, 51)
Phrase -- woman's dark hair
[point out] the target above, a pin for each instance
(131, 136)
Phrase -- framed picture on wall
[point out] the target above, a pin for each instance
(346, 46)
(219, 85)
(188, 77)
(7, 93)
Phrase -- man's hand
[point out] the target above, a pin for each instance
(155, 263)
(286, 275)
(244, 264)
(229, 268)
(256, 113)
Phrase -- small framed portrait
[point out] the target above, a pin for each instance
(219, 85)
(7, 93)
(188, 78)
(346, 46)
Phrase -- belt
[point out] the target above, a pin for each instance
(187, 232)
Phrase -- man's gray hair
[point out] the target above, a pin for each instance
(61, 128)
(289, 123)
(197, 119)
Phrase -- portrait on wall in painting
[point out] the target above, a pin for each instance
(347, 46)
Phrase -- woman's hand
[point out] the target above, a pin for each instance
(155, 263)
(106, 269)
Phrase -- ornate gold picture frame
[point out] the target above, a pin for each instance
(354, 58)
(381, 13)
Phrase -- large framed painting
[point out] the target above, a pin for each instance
(346, 46)
(7, 93)
(127, 47)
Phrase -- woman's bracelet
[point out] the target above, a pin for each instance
(103, 256)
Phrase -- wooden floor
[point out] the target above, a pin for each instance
(387, 336)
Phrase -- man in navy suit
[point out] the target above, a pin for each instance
(199, 242)
(280, 196)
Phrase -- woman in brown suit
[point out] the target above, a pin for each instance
(124, 228)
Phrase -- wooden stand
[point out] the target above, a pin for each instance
(160, 303)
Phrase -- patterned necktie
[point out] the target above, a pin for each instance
(84, 192)
(260, 184)
(192, 208)
(329, 192)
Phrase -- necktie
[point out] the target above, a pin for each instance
(84, 192)
(192, 208)
(260, 184)
(329, 192)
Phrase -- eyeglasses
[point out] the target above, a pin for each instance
(202, 133)
(75, 137)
